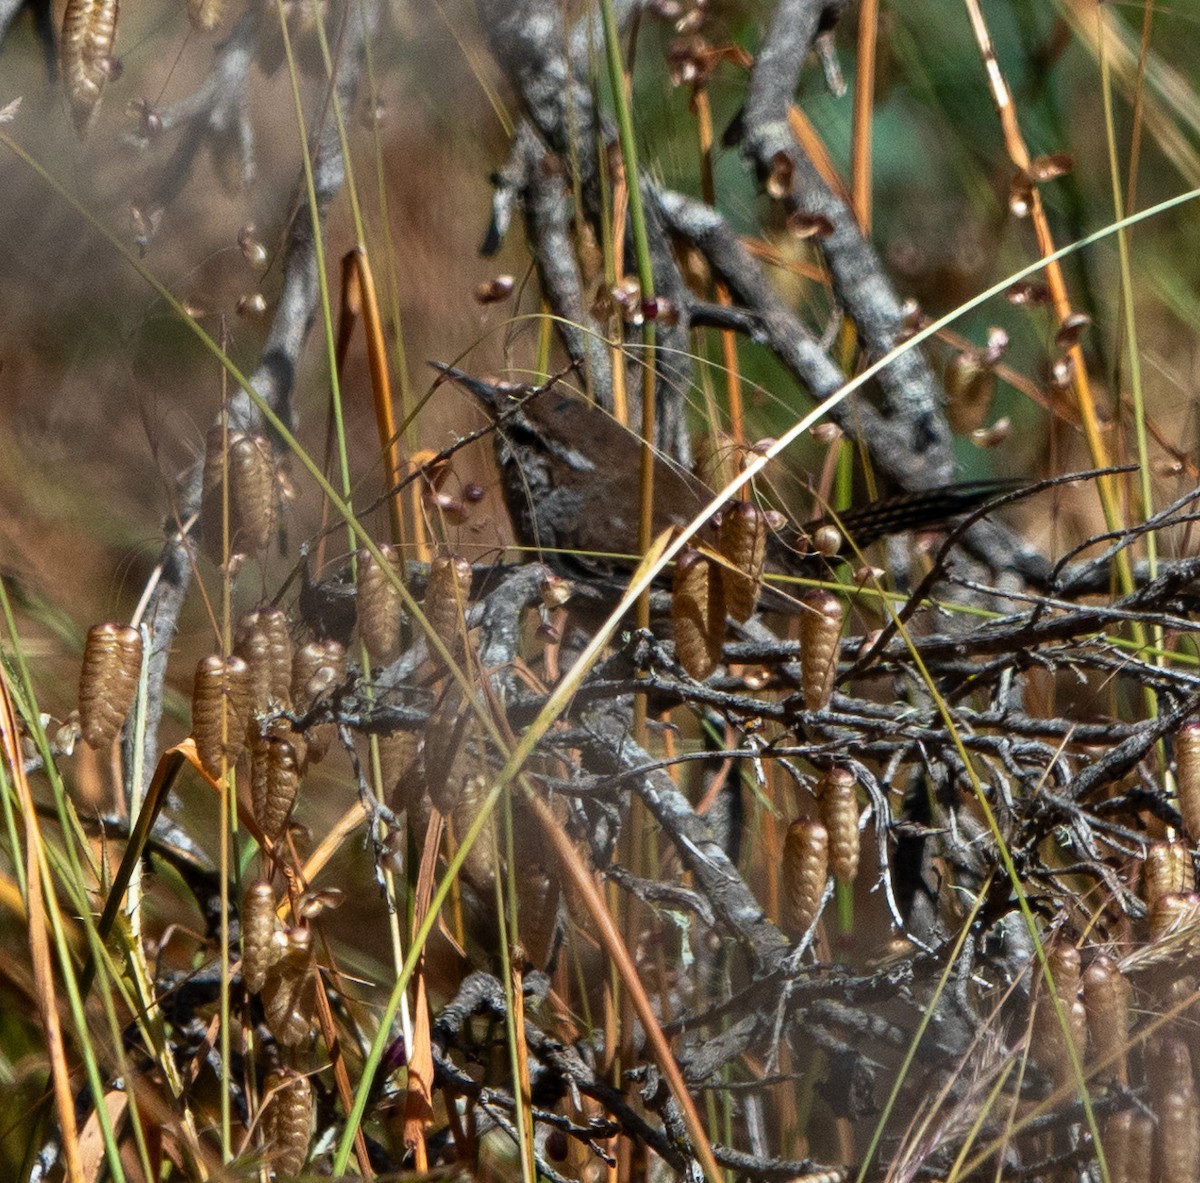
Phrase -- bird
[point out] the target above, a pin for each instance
(569, 474)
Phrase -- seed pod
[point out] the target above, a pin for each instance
(451, 749)
(479, 869)
(274, 779)
(89, 30)
(1168, 1066)
(400, 768)
(1187, 777)
(251, 472)
(259, 949)
(1175, 918)
(805, 869)
(205, 15)
(970, 386)
(265, 645)
(537, 912)
(317, 668)
(1179, 1136)
(287, 1121)
(112, 664)
(838, 798)
(1167, 868)
(743, 542)
(1049, 1040)
(1106, 998)
(290, 995)
(820, 631)
(379, 605)
(1128, 1147)
(697, 614)
(220, 711)
(446, 600)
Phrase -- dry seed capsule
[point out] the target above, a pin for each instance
(446, 600)
(317, 668)
(112, 663)
(287, 1121)
(1176, 916)
(479, 869)
(89, 29)
(274, 779)
(1167, 868)
(1128, 1146)
(265, 645)
(1106, 998)
(537, 912)
(1179, 1136)
(805, 869)
(743, 542)
(697, 614)
(1187, 777)
(837, 794)
(290, 995)
(1169, 1066)
(379, 604)
(970, 386)
(400, 769)
(258, 934)
(220, 711)
(820, 632)
(251, 473)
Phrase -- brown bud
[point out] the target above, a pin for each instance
(379, 604)
(249, 464)
(1179, 1136)
(837, 796)
(805, 869)
(287, 1121)
(274, 779)
(220, 711)
(1167, 868)
(1175, 917)
(820, 631)
(697, 614)
(264, 643)
(259, 948)
(290, 994)
(446, 598)
(744, 543)
(112, 664)
(399, 768)
(1106, 998)
(1187, 777)
(537, 912)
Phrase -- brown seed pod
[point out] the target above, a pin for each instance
(287, 1121)
(251, 471)
(1167, 868)
(1187, 777)
(537, 912)
(970, 386)
(1178, 1136)
(220, 711)
(205, 15)
(479, 869)
(743, 541)
(1175, 920)
(89, 30)
(837, 795)
(697, 614)
(290, 995)
(1106, 999)
(317, 668)
(452, 752)
(400, 768)
(1049, 1041)
(805, 869)
(274, 779)
(820, 633)
(1128, 1147)
(112, 664)
(264, 643)
(259, 949)
(379, 604)
(446, 598)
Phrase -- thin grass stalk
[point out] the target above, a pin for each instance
(864, 112)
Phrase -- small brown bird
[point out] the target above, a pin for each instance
(570, 479)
